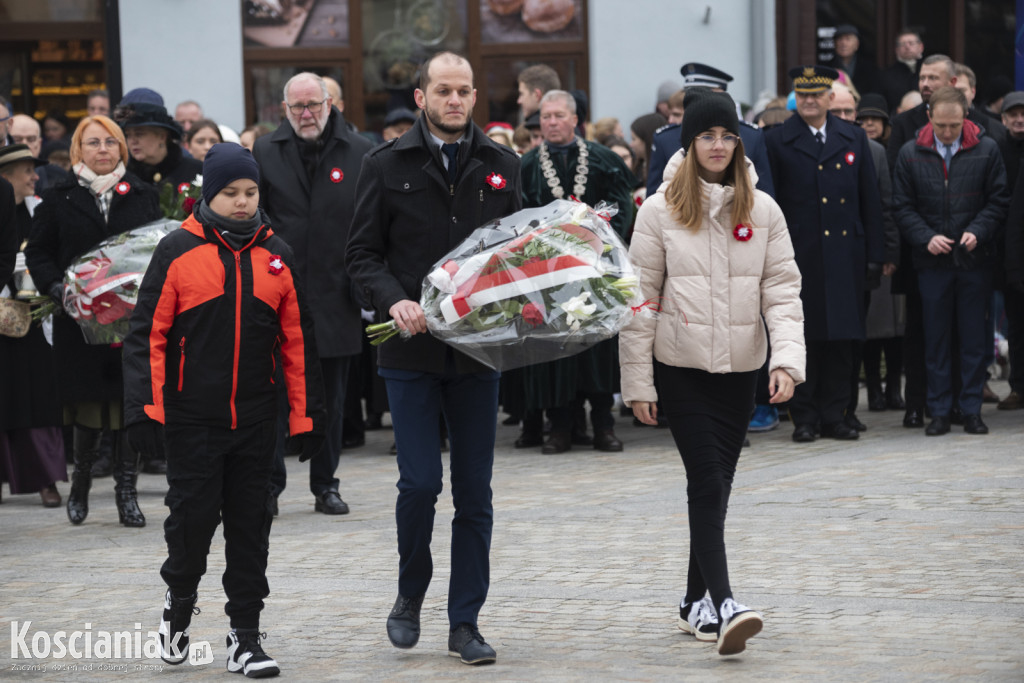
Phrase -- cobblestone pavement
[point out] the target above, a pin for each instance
(896, 557)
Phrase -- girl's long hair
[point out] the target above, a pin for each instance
(685, 196)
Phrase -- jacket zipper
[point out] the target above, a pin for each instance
(238, 334)
(181, 365)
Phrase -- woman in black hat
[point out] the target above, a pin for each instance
(100, 199)
(154, 140)
(716, 256)
(31, 445)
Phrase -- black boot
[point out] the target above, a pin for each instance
(87, 446)
(876, 399)
(126, 462)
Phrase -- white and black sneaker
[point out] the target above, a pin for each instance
(699, 618)
(245, 656)
(738, 624)
(174, 627)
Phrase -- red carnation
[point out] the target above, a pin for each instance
(187, 204)
(533, 314)
(183, 188)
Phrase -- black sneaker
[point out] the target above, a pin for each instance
(246, 656)
(466, 643)
(404, 622)
(699, 618)
(738, 624)
(174, 627)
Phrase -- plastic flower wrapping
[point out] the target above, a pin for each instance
(101, 286)
(535, 286)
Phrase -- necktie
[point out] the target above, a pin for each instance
(820, 138)
(948, 156)
(451, 150)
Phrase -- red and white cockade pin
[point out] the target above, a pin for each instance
(742, 232)
(276, 265)
(496, 181)
(184, 187)
(850, 158)
(336, 175)
(122, 188)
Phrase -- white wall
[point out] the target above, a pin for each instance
(637, 45)
(186, 50)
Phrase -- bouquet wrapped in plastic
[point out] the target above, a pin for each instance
(101, 286)
(535, 286)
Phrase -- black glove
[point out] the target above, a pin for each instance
(304, 445)
(147, 438)
(56, 293)
(873, 277)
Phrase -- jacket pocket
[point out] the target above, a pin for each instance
(181, 365)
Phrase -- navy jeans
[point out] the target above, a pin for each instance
(470, 406)
(955, 302)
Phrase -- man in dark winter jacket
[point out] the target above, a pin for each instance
(420, 195)
(950, 200)
(309, 168)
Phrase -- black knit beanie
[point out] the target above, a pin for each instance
(225, 163)
(705, 112)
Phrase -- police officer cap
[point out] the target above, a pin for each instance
(702, 74)
(813, 79)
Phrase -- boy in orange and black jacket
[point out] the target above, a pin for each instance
(218, 303)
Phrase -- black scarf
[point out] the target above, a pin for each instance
(236, 233)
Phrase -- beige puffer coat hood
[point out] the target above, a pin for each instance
(713, 290)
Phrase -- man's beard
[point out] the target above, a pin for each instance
(446, 127)
(308, 134)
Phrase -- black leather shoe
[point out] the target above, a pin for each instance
(526, 440)
(893, 400)
(876, 400)
(974, 425)
(372, 422)
(605, 440)
(466, 643)
(404, 622)
(851, 421)
(804, 434)
(557, 443)
(956, 416)
(913, 419)
(840, 431)
(938, 426)
(330, 503)
(353, 441)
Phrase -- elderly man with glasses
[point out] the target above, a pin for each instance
(308, 172)
(25, 130)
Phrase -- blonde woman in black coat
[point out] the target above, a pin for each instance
(101, 199)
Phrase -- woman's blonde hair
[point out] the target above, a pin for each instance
(685, 194)
(112, 128)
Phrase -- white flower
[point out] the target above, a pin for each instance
(577, 309)
(198, 180)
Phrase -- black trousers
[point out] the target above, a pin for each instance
(822, 399)
(913, 347)
(708, 415)
(1013, 304)
(215, 473)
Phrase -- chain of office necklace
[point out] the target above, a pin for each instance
(582, 169)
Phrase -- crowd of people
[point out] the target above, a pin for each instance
(867, 214)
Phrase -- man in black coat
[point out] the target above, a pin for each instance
(950, 201)
(865, 73)
(900, 77)
(826, 185)
(8, 232)
(309, 168)
(419, 196)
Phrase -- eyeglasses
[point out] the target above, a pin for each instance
(96, 143)
(313, 107)
(25, 139)
(6, 118)
(728, 141)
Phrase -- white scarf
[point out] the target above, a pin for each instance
(99, 184)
